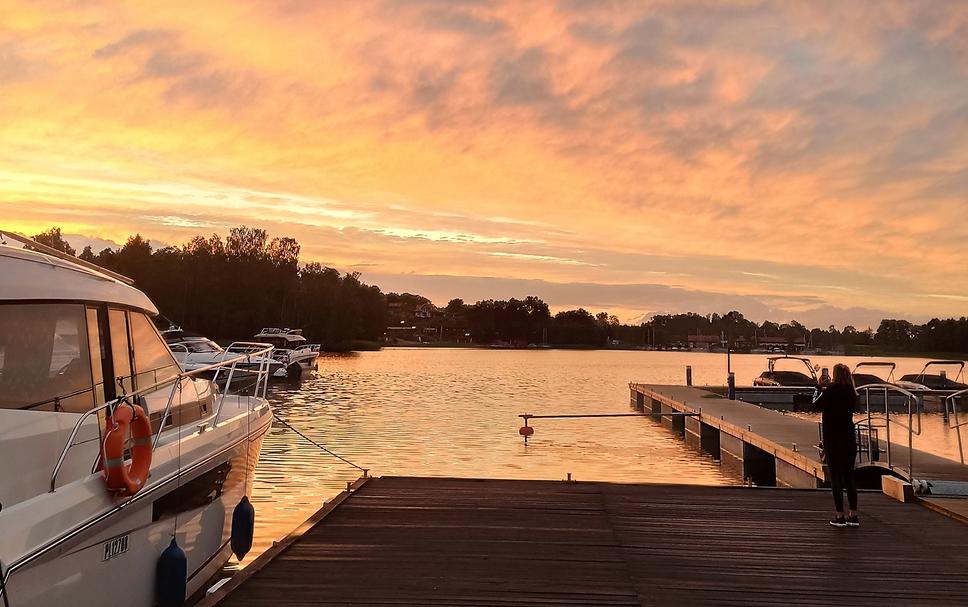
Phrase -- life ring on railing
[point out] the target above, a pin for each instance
(127, 479)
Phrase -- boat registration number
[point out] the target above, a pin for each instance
(115, 547)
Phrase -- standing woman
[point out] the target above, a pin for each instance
(837, 403)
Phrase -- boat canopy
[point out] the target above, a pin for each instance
(32, 276)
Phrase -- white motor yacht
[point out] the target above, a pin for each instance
(195, 351)
(86, 512)
(292, 349)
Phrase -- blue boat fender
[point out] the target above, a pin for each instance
(171, 576)
(243, 526)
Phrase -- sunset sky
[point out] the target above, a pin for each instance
(786, 159)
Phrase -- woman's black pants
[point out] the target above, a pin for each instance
(841, 466)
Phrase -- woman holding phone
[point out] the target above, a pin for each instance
(836, 403)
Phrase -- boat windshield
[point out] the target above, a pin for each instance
(45, 361)
(283, 342)
(202, 345)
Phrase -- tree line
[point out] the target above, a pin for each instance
(228, 288)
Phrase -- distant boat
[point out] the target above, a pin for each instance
(291, 349)
(785, 377)
(862, 378)
(873, 388)
(194, 352)
(935, 384)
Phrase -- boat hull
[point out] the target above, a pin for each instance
(116, 557)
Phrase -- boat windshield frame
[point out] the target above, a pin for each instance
(876, 363)
(184, 345)
(772, 360)
(944, 363)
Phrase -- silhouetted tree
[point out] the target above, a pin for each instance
(53, 239)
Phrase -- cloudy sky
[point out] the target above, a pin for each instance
(786, 159)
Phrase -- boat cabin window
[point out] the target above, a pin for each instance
(45, 361)
(277, 342)
(283, 342)
(98, 353)
(153, 361)
(121, 351)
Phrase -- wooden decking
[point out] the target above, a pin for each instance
(419, 541)
(787, 437)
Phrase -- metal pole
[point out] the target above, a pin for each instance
(887, 416)
(910, 438)
(688, 375)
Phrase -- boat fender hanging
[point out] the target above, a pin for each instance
(171, 576)
(243, 527)
(127, 479)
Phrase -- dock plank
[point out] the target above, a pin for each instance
(462, 542)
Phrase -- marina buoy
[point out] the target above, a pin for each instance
(526, 431)
(171, 576)
(243, 526)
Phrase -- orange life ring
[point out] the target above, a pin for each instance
(127, 478)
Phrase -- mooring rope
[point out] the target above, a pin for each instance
(317, 445)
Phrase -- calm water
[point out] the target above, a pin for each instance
(453, 412)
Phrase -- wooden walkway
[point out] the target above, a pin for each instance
(777, 433)
(419, 541)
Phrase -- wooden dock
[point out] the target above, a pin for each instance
(763, 445)
(420, 541)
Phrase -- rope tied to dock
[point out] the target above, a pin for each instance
(365, 471)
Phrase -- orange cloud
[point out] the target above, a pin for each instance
(685, 144)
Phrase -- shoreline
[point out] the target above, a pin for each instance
(849, 354)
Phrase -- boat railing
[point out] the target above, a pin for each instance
(179, 348)
(908, 420)
(951, 403)
(135, 398)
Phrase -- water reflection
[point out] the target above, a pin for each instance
(453, 412)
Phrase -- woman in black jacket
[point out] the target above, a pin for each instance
(837, 403)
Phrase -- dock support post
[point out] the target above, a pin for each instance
(693, 431)
(688, 375)
(731, 386)
(747, 461)
(676, 423)
(789, 475)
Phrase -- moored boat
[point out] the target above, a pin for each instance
(89, 512)
(195, 351)
(775, 376)
(292, 349)
(935, 384)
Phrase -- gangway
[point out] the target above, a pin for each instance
(872, 398)
(951, 403)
